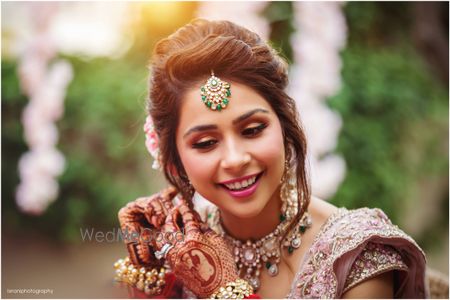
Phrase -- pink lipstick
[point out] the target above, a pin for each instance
(243, 193)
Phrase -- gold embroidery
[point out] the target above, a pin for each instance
(374, 260)
(343, 232)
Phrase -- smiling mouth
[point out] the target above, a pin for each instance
(242, 185)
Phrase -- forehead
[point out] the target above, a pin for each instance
(243, 99)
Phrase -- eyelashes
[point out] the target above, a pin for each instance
(253, 131)
(204, 145)
(247, 132)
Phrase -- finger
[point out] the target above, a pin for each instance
(184, 208)
(133, 254)
(170, 223)
(203, 225)
(145, 252)
(137, 210)
(128, 222)
(156, 207)
(143, 209)
(167, 196)
(155, 212)
(190, 221)
(168, 230)
(159, 207)
(161, 204)
(129, 213)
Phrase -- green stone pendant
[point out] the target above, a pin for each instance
(302, 228)
(215, 93)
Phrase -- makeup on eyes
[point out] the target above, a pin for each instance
(204, 144)
(254, 130)
(235, 122)
(249, 131)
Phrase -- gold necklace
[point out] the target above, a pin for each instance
(250, 256)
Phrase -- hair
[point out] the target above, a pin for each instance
(235, 53)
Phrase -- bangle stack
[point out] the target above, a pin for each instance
(149, 280)
(238, 289)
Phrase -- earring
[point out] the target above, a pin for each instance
(288, 193)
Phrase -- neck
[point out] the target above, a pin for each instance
(255, 227)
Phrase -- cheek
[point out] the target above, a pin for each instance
(198, 169)
(270, 149)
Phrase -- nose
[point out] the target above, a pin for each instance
(235, 156)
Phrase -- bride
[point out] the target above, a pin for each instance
(224, 127)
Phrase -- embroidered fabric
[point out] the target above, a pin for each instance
(373, 260)
(333, 264)
(351, 247)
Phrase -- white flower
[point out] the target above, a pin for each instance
(46, 88)
(321, 34)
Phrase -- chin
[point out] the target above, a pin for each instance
(247, 211)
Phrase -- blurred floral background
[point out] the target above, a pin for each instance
(370, 78)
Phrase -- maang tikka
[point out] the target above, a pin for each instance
(215, 93)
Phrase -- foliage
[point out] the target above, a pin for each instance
(394, 118)
(281, 18)
(101, 138)
(395, 114)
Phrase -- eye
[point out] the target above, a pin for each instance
(204, 145)
(253, 131)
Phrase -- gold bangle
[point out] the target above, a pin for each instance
(238, 289)
(149, 280)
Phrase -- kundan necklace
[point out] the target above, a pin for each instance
(250, 255)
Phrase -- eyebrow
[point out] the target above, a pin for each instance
(238, 120)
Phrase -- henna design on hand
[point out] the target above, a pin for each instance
(139, 220)
(202, 260)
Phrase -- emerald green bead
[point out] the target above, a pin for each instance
(203, 98)
(228, 93)
(268, 264)
(290, 249)
(282, 217)
(302, 228)
(209, 103)
(219, 107)
(225, 100)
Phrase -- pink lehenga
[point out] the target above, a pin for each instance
(353, 246)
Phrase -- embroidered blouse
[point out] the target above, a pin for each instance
(353, 246)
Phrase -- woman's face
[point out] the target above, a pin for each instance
(234, 157)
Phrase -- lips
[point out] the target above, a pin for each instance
(242, 187)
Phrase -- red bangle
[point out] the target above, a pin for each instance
(253, 296)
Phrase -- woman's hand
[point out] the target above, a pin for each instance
(140, 221)
(201, 258)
